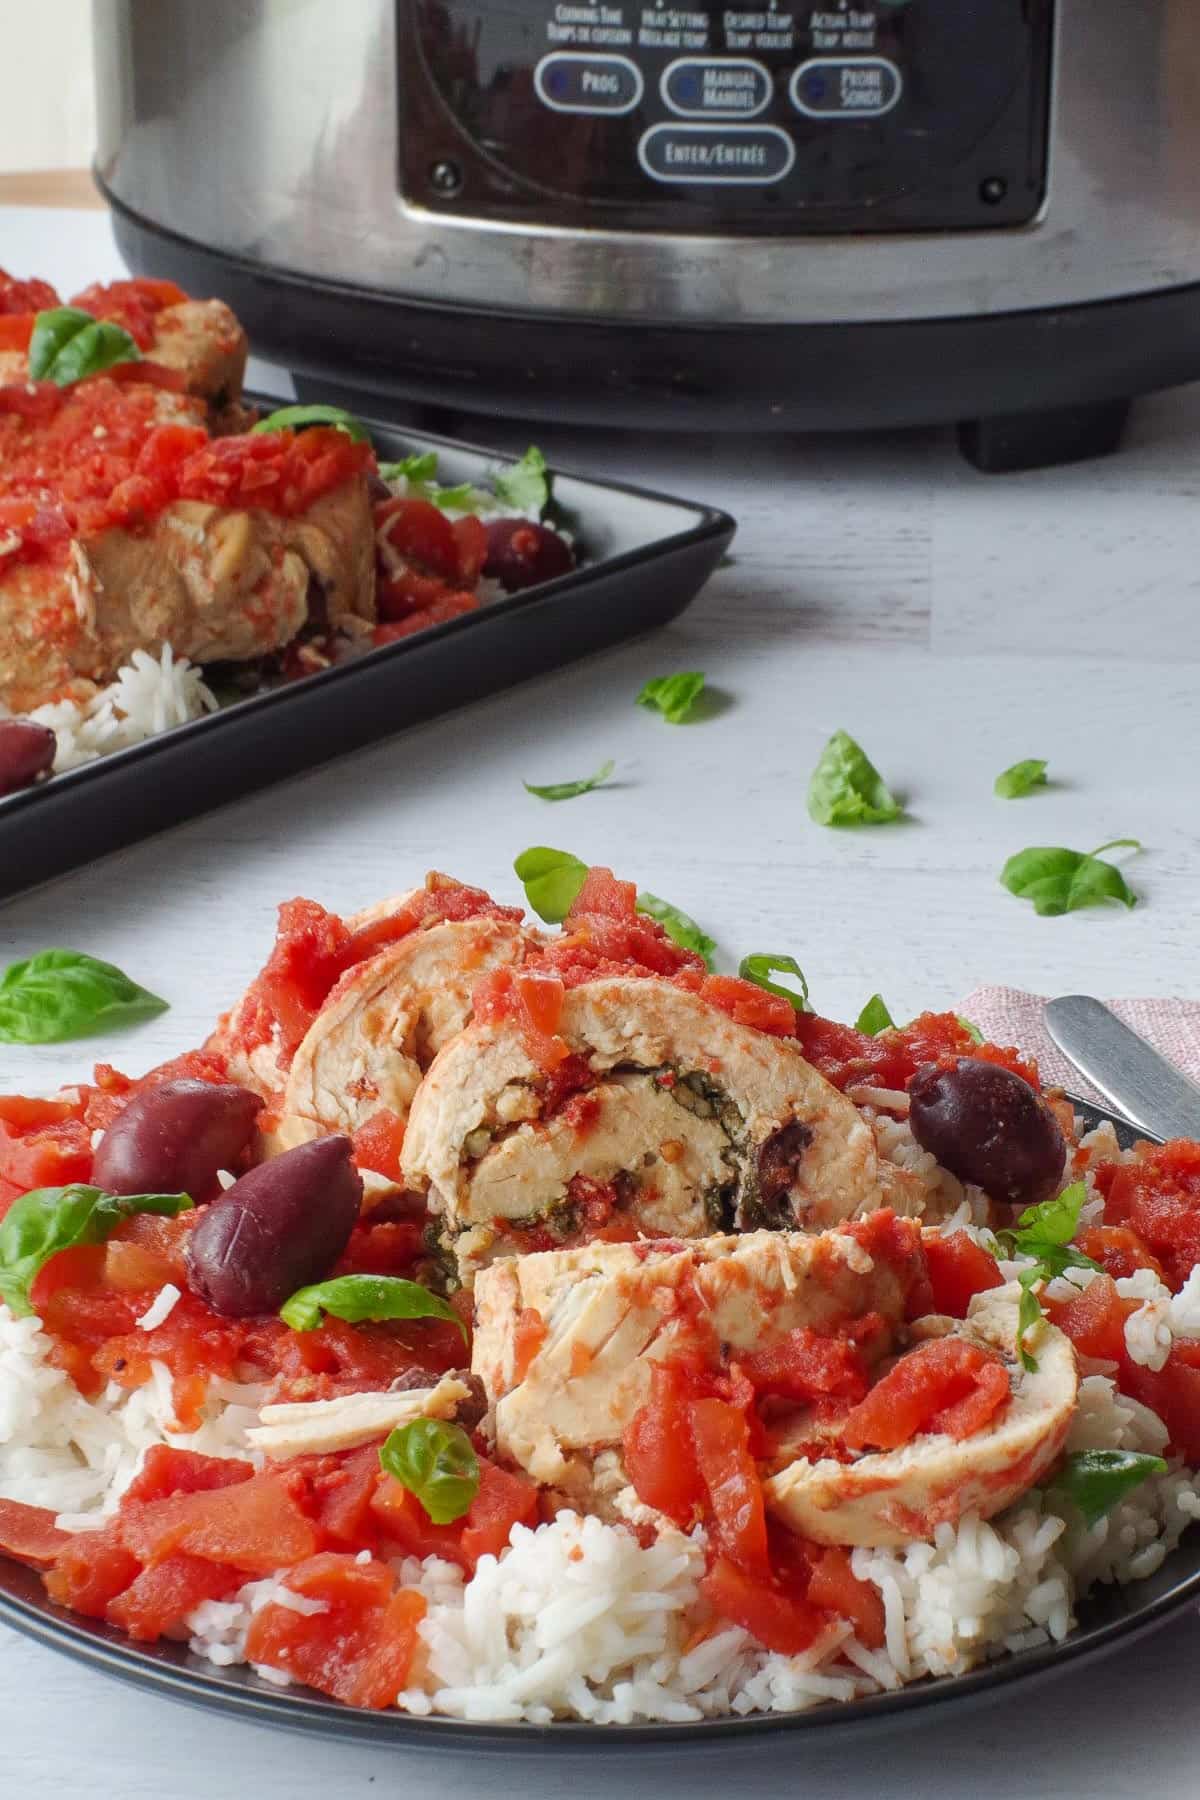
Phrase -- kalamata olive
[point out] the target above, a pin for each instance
(989, 1128)
(173, 1137)
(280, 1227)
(520, 554)
(26, 751)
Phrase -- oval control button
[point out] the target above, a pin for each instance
(698, 87)
(846, 87)
(569, 81)
(754, 154)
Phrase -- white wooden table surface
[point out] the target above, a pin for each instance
(951, 622)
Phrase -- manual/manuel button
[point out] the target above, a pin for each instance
(570, 82)
(700, 86)
(846, 87)
(754, 154)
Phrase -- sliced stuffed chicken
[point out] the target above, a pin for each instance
(567, 1342)
(956, 1424)
(652, 1113)
(348, 1013)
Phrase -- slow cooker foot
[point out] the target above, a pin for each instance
(1035, 440)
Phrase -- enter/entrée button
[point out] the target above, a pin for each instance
(753, 154)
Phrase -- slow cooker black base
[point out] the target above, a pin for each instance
(1026, 388)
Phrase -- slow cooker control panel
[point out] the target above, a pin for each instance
(853, 115)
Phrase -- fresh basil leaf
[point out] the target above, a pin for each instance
(847, 789)
(417, 469)
(1021, 778)
(760, 967)
(1060, 881)
(46, 1220)
(1096, 1480)
(526, 484)
(681, 929)
(434, 1461)
(569, 790)
(972, 1030)
(60, 994)
(1054, 1221)
(67, 345)
(673, 695)
(552, 880)
(1029, 1314)
(874, 1018)
(300, 418)
(358, 1297)
(463, 498)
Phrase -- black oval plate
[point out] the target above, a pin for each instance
(1109, 1618)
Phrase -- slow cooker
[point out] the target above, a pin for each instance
(787, 216)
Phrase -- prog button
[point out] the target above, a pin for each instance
(570, 81)
(751, 154)
(846, 87)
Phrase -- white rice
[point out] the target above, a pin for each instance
(148, 695)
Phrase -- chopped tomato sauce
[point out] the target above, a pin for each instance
(26, 296)
(428, 566)
(29, 1534)
(1119, 1251)
(959, 1268)
(946, 1385)
(533, 999)
(134, 305)
(359, 1647)
(1158, 1198)
(158, 1600)
(379, 1143)
(847, 1058)
(806, 1365)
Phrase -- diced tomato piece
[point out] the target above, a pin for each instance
(721, 1440)
(603, 894)
(779, 1621)
(26, 297)
(416, 531)
(1119, 1251)
(378, 1144)
(407, 1527)
(382, 1247)
(51, 1155)
(804, 1365)
(657, 1447)
(27, 1113)
(1095, 1320)
(16, 329)
(959, 1269)
(503, 1500)
(360, 1648)
(158, 1600)
(166, 1472)
(835, 1588)
(945, 1385)
(471, 545)
(529, 1334)
(1158, 1196)
(1173, 1392)
(255, 1526)
(91, 1571)
(29, 1533)
(343, 1495)
(847, 1058)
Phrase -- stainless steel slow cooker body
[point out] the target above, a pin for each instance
(264, 144)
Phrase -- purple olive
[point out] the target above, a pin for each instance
(280, 1227)
(26, 751)
(520, 555)
(173, 1137)
(989, 1128)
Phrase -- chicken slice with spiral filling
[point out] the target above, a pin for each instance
(691, 1122)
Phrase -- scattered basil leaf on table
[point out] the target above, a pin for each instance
(1060, 881)
(419, 468)
(300, 418)
(434, 1461)
(46, 1220)
(847, 789)
(525, 484)
(874, 1017)
(568, 790)
(1096, 1480)
(760, 967)
(67, 344)
(1020, 779)
(673, 695)
(358, 1297)
(681, 929)
(551, 879)
(60, 994)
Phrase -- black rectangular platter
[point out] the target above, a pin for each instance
(644, 558)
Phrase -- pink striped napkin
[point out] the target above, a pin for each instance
(1009, 1016)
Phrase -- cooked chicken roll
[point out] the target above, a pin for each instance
(565, 1340)
(671, 1120)
(866, 1496)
